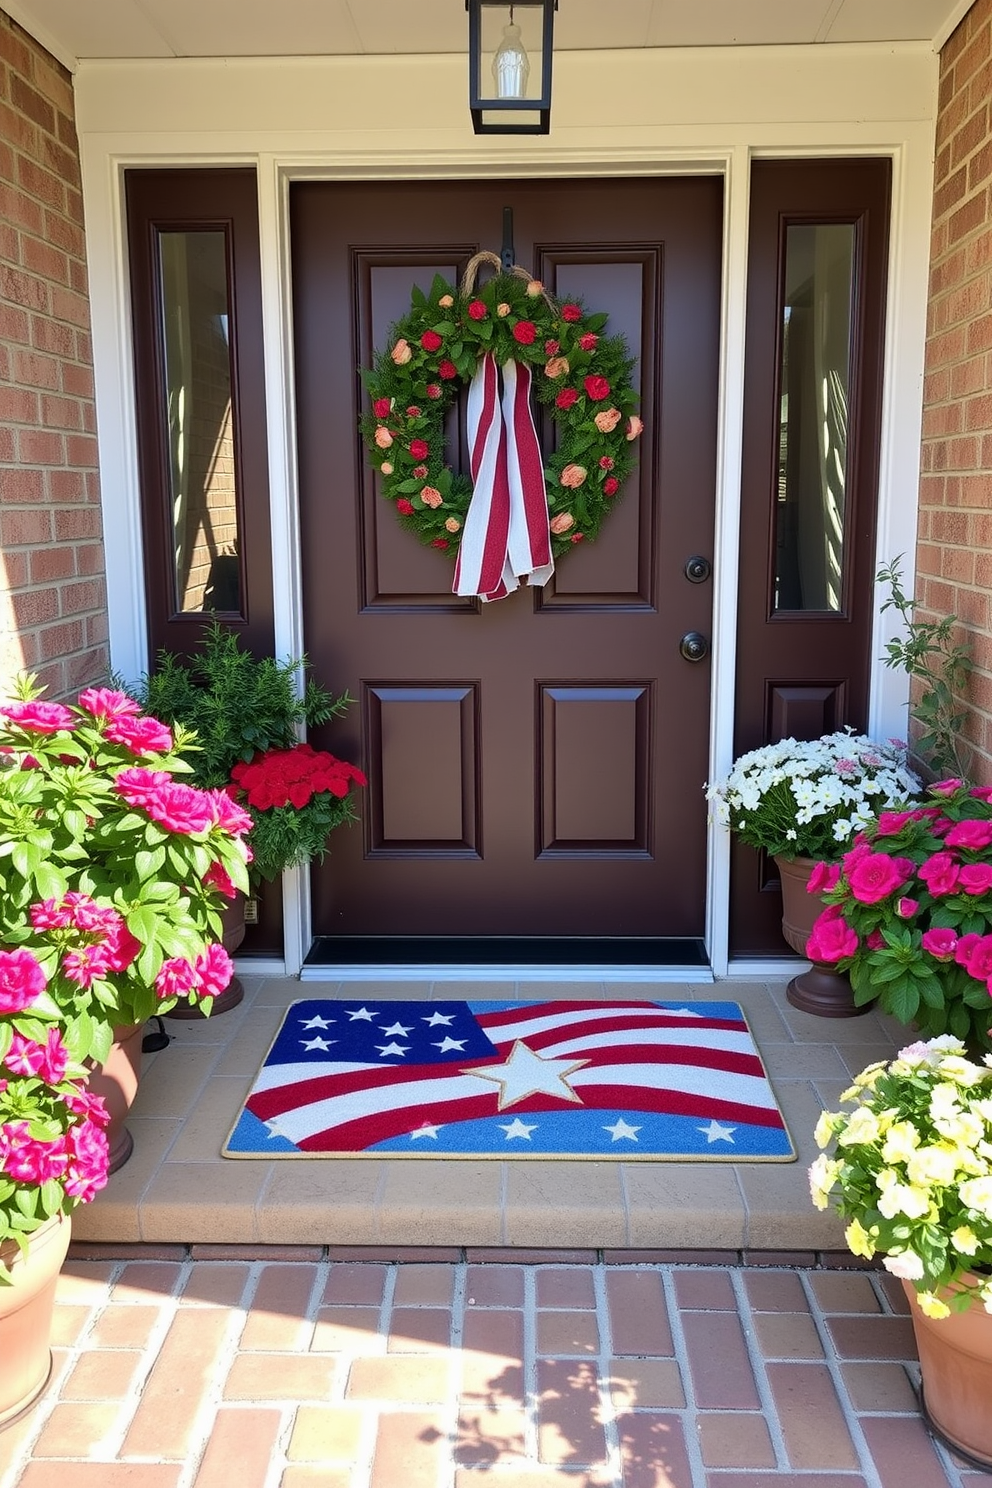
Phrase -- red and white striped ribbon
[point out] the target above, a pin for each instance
(506, 535)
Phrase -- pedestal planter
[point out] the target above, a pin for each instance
(26, 1307)
(117, 1081)
(233, 920)
(823, 989)
(956, 1362)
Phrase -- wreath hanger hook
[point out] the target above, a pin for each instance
(507, 256)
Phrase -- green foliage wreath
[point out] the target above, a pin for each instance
(580, 375)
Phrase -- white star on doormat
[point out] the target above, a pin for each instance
(437, 1018)
(361, 1014)
(397, 1050)
(448, 1044)
(717, 1133)
(525, 1073)
(620, 1129)
(396, 1028)
(425, 1131)
(517, 1128)
(317, 1043)
(317, 1022)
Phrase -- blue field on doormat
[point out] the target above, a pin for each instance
(659, 1081)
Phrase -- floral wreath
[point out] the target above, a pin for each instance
(582, 376)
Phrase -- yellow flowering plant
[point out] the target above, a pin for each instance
(910, 1168)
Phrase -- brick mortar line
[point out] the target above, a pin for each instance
(766, 1396)
(850, 1415)
(531, 1392)
(456, 1379)
(608, 1409)
(691, 1410)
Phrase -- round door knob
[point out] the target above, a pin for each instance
(697, 569)
(694, 646)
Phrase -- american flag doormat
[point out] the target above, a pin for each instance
(665, 1081)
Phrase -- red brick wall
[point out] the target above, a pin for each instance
(954, 553)
(53, 617)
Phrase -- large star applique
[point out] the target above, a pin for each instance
(525, 1073)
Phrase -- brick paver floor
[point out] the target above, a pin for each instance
(302, 1368)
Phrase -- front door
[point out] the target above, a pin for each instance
(536, 765)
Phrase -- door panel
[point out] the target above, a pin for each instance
(809, 474)
(536, 764)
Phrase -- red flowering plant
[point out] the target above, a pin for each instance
(113, 876)
(909, 913)
(580, 374)
(295, 797)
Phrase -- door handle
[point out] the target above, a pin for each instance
(697, 569)
(694, 646)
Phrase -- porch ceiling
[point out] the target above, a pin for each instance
(76, 29)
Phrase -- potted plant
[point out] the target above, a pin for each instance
(113, 871)
(240, 719)
(802, 801)
(53, 1156)
(910, 1168)
(909, 913)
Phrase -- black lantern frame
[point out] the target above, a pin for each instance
(506, 109)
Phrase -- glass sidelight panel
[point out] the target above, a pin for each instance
(203, 497)
(814, 387)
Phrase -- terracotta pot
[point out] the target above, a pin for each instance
(956, 1362)
(233, 920)
(823, 989)
(117, 1081)
(26, 1307)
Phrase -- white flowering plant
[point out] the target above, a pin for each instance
(810, 798)
(911, 1168)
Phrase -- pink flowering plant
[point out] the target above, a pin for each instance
(909, 1166)
(909, 913)
(53, 1147)
(113, 873)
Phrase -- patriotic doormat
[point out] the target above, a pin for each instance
(662, 1081)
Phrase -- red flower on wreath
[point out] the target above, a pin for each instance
(418, 449)
(611, 486)
(525, 331)
(597, 388)
(404, 507)
(566, 398)
(588, 342)
(571, 312)
(477, 310)
(440, 542)
(430, 341)
(381, 407)
(433, 390)
(447, 370)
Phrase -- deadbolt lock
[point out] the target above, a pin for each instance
(697, 569)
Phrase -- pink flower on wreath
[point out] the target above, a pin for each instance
(940, 943)
(214, 970)
(413, 411)
(22, 980)
(557, 366)
(551, 348)
(940, 874)
(176, 978)
(431, 497)
(635, 428)
(823, 878)
(383, 438)
(40, 718)
(588, 342)
(433, 390)
(561, 523)
(419, 471)
(975, 878)
(971, 835)
(573, 476)
(140, 735)
(611, 486)
(606, 462)
(607, 419)
(831, 938)
(102, 702)
(874, 877)
(979, 962)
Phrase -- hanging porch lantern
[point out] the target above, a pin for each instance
(503, 77)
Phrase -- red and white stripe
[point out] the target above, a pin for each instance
(506, 535)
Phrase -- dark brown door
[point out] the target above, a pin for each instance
(817, 259)
(536, 765)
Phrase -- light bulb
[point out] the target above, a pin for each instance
(511, 65)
